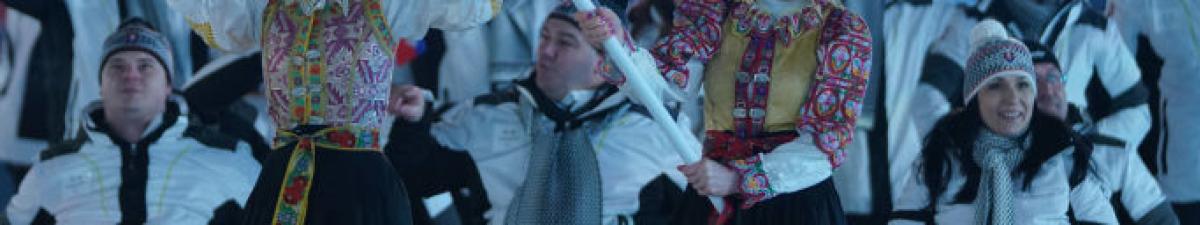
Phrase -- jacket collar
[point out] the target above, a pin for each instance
(604, 100)
(169, 124)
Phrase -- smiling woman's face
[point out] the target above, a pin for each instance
(1006, 104)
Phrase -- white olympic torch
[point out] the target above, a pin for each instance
(685, 144)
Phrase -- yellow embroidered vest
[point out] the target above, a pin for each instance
(790, 71)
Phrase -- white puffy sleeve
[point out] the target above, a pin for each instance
(410, 19)
(796, 165)
(227, 25)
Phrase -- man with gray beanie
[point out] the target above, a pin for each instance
(138, 160)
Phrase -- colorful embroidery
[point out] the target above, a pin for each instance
(331, 68)
(750, 19)
(725, 146)
(755, 186)
(696, 34)
(844, 65)
(753, 84)
(843, 59)
(743, 155)
(835, 97)
(292, 204)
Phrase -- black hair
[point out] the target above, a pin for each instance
(570, 19)
(564, 17)
(1041, 53)
(953, 137)
(640, 16)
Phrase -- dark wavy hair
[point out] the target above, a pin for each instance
(640, 16)
(953, 137)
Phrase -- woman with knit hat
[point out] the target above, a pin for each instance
(999, 161)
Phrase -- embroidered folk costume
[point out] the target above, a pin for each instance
(327, 68)
(784, 83)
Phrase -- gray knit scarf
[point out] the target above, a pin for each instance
(562, 184)
(997, 156)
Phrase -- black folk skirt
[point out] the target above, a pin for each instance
(663, 203)
(348, 187)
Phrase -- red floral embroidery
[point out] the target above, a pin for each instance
(305, 144)
(342, 138)
(725, 146)
(295, 191)
(755, 186)
(835, 97)
(298, 112)
(844, 65)
(696, 35)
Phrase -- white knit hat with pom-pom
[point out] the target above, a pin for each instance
(994, 54)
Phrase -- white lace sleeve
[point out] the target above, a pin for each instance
(227, 25)
(796, 165)
(410, 19)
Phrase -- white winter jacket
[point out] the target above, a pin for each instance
(177, 174)
(1096, 62)
(494, 129)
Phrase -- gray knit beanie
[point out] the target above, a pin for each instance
(994, 54)
(136, 34)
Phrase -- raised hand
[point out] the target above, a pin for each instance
(407, 102)
(599, 25)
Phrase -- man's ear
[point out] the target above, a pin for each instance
(170, 89)
(100, 80)
(167, 82)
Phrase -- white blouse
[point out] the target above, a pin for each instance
(235, 25)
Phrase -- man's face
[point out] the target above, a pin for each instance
(134, 82)
(565, 59)
(1051, 99)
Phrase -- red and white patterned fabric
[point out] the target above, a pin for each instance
(338, 76)
(843, 58)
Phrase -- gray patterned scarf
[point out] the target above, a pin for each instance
(997, 156)
(562, 184)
